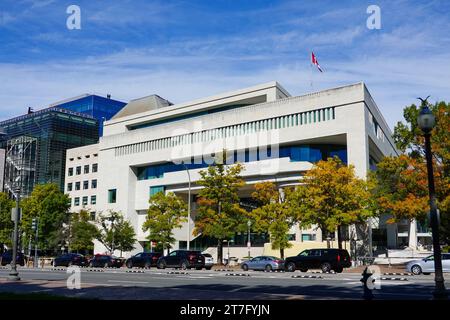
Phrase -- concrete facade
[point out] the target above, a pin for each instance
(81, 178)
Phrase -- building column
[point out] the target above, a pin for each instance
(358, 142)
(319, 235)
(412, 241)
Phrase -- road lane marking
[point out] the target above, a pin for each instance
(125, 281)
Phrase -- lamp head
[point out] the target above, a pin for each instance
(426, 120)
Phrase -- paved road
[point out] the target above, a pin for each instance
(160, 284)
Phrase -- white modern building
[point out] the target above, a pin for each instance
(81, 178)
(151, 144)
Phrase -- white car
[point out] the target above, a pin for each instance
(209, 261)
(426, 265)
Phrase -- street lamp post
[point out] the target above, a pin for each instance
(14, 274)
(426, 122)
(249, 223)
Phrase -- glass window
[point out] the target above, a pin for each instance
(86, 169)
(78, 171)
(305, 253)
(69, 186)
(155, 190)
(85, 185)
(94, 184)
(76, 201)
(112, 194)
(77, 185)
(95, 167)
(93, 199)
(85, 201)
(70, 172)
(92, 216)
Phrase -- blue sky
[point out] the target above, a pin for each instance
(184, 50)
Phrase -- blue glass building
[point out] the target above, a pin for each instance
(96, 106)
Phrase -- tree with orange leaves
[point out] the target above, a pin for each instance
(331, 196)
(400, 188)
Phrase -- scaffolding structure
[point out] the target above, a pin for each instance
(20, 165)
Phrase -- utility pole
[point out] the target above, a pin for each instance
(35, 228)
(14, 275)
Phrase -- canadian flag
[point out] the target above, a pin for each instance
(315, 62)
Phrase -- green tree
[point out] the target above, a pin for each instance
(165, 213)
(409, 138)
(219, 214)
(274, 214)
(6, 225)
(50, 206)
(126, 237)
(115, 232)
(82, 232)
(331, 196)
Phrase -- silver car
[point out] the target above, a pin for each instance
(209, 261)
(426, 265)
(267, 263)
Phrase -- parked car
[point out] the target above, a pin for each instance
(426, 265)
(325, 259)
(143, 260)
(105, 261)
(209, 261)
(182, 259)
(70, 259)
(267, 263)
(7, 258)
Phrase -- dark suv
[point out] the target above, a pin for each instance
(70, 259)
(143, 260)
(6, 258)
(105, 261)
(325, 259)
(182, 259)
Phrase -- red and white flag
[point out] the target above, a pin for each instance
(315, 62)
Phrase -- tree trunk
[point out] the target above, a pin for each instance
(282, 253)
(220, 251)
(339, 237)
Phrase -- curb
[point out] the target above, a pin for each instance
(398, 279)
(226, 270)
(95, 270)
(237, 274)
(321, 272)
(134, 271)
(307, 277)
(176, 272)
(278, 271)
(397, 274)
